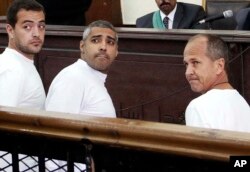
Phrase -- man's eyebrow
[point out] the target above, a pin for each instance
(110, 37)
(30, 21)
(98, 36)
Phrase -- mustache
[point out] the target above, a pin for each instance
(102, 54)
(36, 40)
(165, 3)
(192, 77)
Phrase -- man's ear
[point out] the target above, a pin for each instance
(220, 65)
(10, 31)
(117, 52)
(82, 46)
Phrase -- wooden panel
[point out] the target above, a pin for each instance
(109, 10)
(4, 4)
(152, 89)
(51, 58)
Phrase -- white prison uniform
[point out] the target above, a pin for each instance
(20, 83)
(219, 109)
(80, 89)
(20, 86)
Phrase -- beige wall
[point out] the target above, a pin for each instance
(132, 9)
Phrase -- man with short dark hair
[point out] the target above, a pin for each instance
(20, 83)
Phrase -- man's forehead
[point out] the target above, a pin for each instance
(95, 31)
(30, 15)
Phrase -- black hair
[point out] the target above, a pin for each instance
(17, 5)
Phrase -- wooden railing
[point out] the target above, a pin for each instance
(124, 134)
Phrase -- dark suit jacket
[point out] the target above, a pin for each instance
(243, 19)
(186, 17)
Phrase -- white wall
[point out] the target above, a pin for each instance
(132, 9)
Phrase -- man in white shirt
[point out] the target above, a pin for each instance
(79, 88)
(20, 83)
(220, 106)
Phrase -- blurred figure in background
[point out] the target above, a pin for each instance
(63, 12)
(173, 15)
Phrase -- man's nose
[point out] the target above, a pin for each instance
(35, 31)
(189, 70)
(103, 45)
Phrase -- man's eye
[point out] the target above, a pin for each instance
(42, 26)
(111, 42)
(27, 27)
(94, 40)
(195, 62)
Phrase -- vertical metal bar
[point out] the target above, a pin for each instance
(88, 158)
(15, 161)
(41, 163)
(70, 162)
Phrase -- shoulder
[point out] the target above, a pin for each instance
(190, 8)
(146, 18)
(69, 71)
(8, 64)
(149, 15)
(75, 74)
(203, 99)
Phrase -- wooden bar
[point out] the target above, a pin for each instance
(173, 139)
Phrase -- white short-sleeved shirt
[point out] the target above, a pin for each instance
(20, 83)
(219, 109)
(80, 89)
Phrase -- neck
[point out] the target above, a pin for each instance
(221, 82)
(223, 85)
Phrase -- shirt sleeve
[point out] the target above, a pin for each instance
(11, 83)
(64, 95)
(193, 117)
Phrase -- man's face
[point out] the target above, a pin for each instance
(166, 6)
(28, 35)
(100, 48)
(201, 71)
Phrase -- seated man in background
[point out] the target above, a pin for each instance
(20, 83)
(220, 106)
(173, 15)
(65, 12)
(79, 88)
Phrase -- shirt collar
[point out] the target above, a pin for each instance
(19, 55)
(100, 75)
(170, 15)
